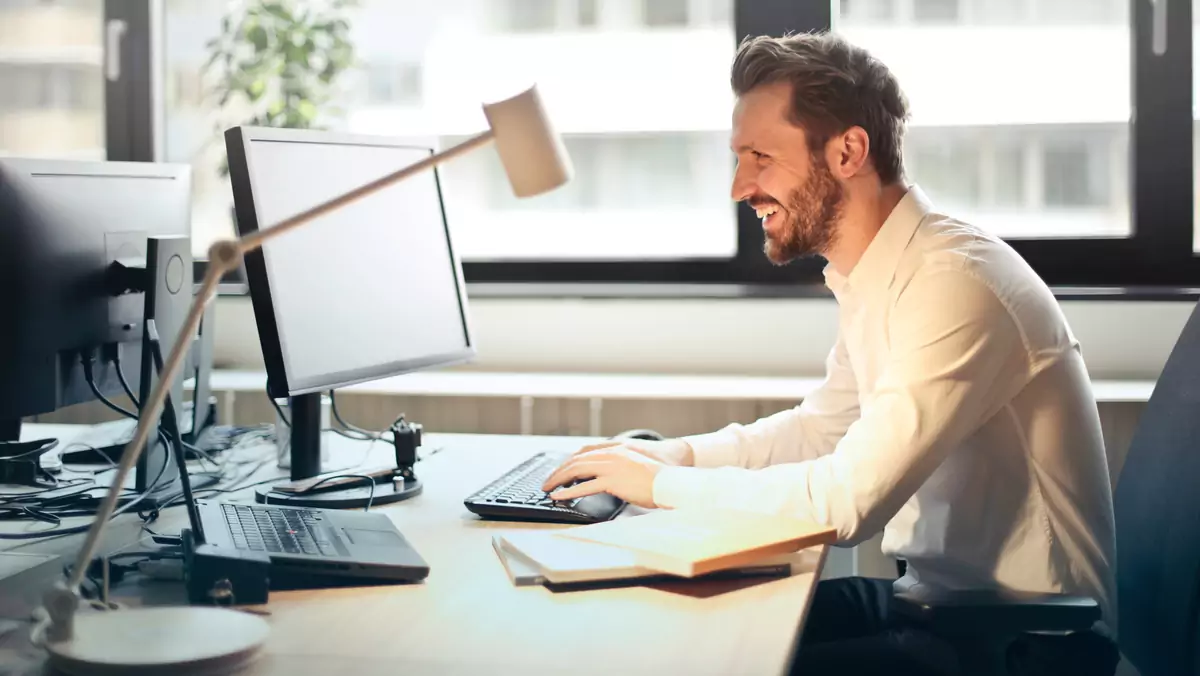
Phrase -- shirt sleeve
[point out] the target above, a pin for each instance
(807, 431)
(956, 357)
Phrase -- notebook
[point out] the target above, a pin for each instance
(690, 542)
(540, 558)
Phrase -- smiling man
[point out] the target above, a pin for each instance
(956, 414)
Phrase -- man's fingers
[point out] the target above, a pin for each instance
(581, 469)
(596, 447)
(580, 490)
(640, 451)
(555, 477)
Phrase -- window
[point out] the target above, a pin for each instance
(868, 11)
(393, 84)
(587, 13)
(949, 169)
(665, 12)
(651, 153)
(935, 10)
(1021, 122)
(1030, 142)
(1074, 175)
(531, 15)
(51, 85)
(1008, 176)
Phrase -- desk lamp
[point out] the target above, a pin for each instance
(191, 638)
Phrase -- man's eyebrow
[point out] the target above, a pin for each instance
(744, 148)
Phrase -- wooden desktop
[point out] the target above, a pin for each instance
(467, 617)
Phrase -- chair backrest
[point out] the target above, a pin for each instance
(1157, 503)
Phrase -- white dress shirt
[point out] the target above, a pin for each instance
(956, 415)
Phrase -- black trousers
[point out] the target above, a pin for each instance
(850, 630)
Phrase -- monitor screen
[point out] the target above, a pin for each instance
(368, 290)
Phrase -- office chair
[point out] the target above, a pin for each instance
(1157, 505)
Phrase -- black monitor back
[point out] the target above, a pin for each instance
(62, 224)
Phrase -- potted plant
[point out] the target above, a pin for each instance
(279, 63)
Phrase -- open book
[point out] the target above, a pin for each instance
(690, 542)
(539, 557)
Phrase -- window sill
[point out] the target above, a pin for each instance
(656, 387)
(787, 291)
(619, 291)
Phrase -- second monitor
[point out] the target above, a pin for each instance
(370, 290)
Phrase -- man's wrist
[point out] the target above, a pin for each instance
(714, 449)
(687, 456)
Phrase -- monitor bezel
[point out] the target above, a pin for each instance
(237, 142)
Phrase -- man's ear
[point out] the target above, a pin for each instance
(849, 153)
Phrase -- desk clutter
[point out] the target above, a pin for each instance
(659, 545)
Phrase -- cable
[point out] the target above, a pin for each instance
(78, 444)
(86, 360)
(202, 454)
(282, 415)
(369, 480)
(117, 572)
(367, 435)
(56, 532)
(121, 377)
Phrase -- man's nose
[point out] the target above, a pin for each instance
(744, 184)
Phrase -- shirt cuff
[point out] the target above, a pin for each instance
(676, 487)
(715, 449)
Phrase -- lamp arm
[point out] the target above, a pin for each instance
(61, 601)
(147, 421)
(255, 239)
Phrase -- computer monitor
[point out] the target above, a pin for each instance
(63, 224)
(370, 290)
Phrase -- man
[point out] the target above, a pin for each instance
(956, 415)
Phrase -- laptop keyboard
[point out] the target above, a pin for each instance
(273, 529)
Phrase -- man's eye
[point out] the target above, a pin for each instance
(759, 155)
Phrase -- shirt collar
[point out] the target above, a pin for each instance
(878, 263)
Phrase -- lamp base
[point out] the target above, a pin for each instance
(187, 640)
(350, 497)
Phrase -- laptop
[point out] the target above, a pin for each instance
(312, 547)
(307, 547)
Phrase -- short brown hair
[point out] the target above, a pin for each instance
(835, 86)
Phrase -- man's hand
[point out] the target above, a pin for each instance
(675, 452)
(620, 472)
(623, 468)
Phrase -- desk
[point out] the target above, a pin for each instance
(467, 618)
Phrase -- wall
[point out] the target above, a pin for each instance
(720, 336)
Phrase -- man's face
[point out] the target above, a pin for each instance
(791, 188)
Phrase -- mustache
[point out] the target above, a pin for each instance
(760, 202)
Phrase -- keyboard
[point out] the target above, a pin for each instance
(285, 531)
(517, 496)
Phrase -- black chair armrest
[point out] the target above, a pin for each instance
(987, 612)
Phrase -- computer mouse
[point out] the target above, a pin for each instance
(646, 435)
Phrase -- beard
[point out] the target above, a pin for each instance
(812, 211)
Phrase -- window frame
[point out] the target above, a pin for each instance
(1156, 261)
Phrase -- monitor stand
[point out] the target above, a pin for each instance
(10, 430)
(306, 463)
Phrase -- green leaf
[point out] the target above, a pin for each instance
(279, 11)
(212, 59)
(258, 37)
(296, 55)
(307, 110)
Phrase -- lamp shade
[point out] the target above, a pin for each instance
(529, 147)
